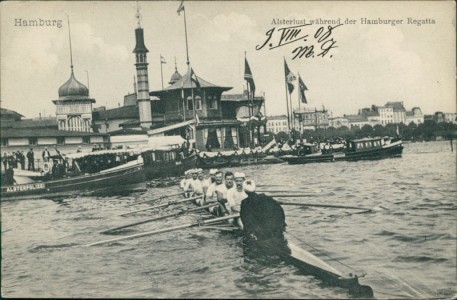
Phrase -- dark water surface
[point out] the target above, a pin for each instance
(408, 250)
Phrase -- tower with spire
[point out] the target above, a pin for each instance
(176, 76)
(141, 64)
(74, 106)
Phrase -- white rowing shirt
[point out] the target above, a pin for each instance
(211, 195)
(194, 185)
(183, 183)
(234, 198)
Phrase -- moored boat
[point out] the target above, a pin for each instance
(122, 176)
(307, 153)
(359, 149)
(234, 158)
(370, 149)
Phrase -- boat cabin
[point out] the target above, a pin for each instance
(365, 144)
(306, 149)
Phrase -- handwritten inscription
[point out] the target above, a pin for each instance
(318, 44)
(25, 187)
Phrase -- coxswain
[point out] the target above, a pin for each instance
(235, 196)
(221, 192)
(263, 219)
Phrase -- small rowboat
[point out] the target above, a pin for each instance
(312, 265)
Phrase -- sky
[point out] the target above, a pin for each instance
(368, 65)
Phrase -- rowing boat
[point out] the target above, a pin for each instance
(312, 265)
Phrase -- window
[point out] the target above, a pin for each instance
(189, 104)
(86, 139)
(212, 102)
(61, 140)
(198, 103)
(33, 141)
(4, 142)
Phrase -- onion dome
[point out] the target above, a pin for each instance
(73, 89)
(175, 77)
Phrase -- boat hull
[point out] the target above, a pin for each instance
(222, 161)
(312, 265)
(389, 151)
(306, 159)
(115, 178)
(374, 154)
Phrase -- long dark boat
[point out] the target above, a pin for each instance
(111, 177)
(307, 153)
(371, 149)
(234, 159)
(312, 265)
(360, 149)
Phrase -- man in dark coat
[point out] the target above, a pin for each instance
(264, 222)
(9, 176)
(31, 160)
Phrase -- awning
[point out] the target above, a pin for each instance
(170, 127)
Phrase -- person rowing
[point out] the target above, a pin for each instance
(211, 195)
(194, 185)
(212, 175)
(185, 180)
(235, 196)
(205, 182)
(221, 192)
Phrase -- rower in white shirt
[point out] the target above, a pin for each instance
(194, 185)
(221, 191)
(235, 196)
(206, 182)
(211, 195)
(184, 181)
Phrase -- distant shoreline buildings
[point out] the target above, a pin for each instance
(390, 113)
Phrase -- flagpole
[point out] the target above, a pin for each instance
(193, 102)
(249, 107)
(292, 119)
(299, 104)
(287, 100)
(187, 45)
(161, 72)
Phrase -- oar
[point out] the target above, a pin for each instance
(291, 195)
(326, 205)
(157, 198)
(162, 205)
(163, 230)
(276, 191)
(181, 212)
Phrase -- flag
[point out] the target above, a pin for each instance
(162, 60)
(194, 78)
(248, 77)
(290, 77)
(180, 8)
(303, 88)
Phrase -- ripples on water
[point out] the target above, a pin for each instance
(408, 250)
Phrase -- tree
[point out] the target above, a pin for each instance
(282, 136)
